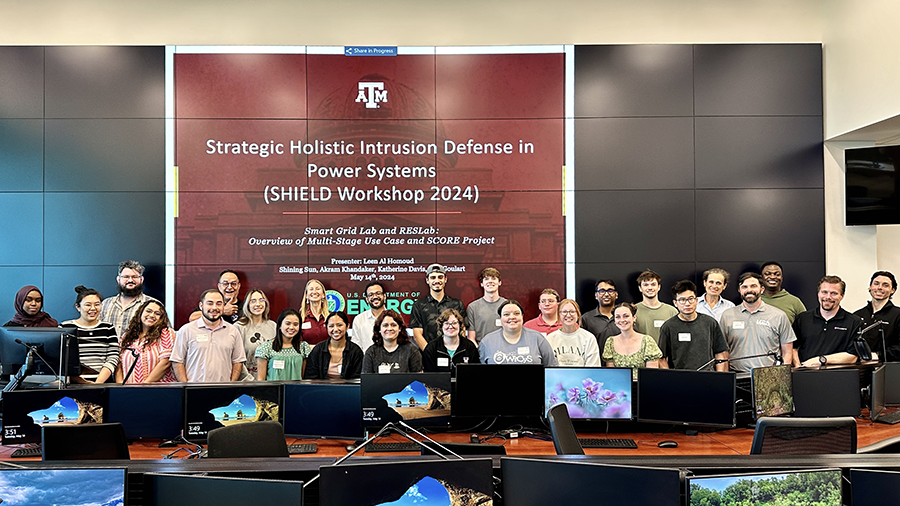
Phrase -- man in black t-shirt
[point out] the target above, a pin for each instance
(690, 340)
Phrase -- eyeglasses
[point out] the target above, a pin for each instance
(568, 312)
(548, 301)
(686, 300)
(374, 294)
(606, 290)
(132, 277)
(230, 283)
(451, 324)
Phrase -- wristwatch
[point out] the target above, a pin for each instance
(823, 360)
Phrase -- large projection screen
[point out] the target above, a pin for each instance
(297, 163)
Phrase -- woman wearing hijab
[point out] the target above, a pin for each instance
(29, 309)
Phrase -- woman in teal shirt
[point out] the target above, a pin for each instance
(283, 358)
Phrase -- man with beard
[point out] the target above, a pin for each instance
(881, 287)
(775, 295)
(481, 313)
(119, 309)
(208, 349)
(230, 287)
(600, 321)
(364, 323)
(825, 334)
(756, 328)
(427, 309)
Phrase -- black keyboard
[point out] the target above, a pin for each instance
(392, 447)
(301, 448)
(26, 452)
(607, 443)
(890, 418)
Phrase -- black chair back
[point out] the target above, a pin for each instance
(250, 439)
(804, 436)
(565, 440)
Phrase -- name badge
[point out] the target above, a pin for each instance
(349, 332)
(658, 323)
(684, 337)
(384, 369)
(443, 362)
(203, 338)
(306, 325)
(523, 350)
(497, 323)
(410, 333)
(278, 364)
(340, 367)
(737, 325)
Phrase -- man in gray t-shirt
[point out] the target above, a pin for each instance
(481, 315)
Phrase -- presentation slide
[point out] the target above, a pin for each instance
(365, 164)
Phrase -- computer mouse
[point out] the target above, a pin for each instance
(350, 448)
(667, 444)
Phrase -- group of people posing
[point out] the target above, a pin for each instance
(129, 337)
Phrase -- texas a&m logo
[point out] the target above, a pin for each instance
(372, 94)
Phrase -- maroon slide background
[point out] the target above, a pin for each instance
(283, 98)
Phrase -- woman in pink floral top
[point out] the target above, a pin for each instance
(150, 335)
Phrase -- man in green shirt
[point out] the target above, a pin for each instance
(773, 274)
(651, 313)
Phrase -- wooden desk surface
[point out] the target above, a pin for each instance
(725, 442)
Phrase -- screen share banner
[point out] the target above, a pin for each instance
(352, 169)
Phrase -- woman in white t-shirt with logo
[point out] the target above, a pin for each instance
(572, 345)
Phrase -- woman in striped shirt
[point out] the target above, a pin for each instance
(98, 345)
(150, 335)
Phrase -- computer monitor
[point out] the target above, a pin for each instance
(169, 489)
(63, 486)
(421, 399)
(892, 383)
(528, 482)
(876, 393)
(47, 340)
(322, 410)
(590, 393)
(25, 411)
(870, 487)
(772, 390)
(467, 481)
(686, 397)
(488, 390)
(826, 392)
(208, 407)
(146, 411)
(821, 487)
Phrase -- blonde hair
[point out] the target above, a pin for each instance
(574, 304)
(305, 306)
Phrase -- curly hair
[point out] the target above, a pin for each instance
(135, 326)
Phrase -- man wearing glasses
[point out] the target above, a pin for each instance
(364, 323)
(230, 287)
(119, 309)
(757, 328)
(600, 321)
(690, 340)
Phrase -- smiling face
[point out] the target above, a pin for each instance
(33, 304)
(568, 314)
(490, 284)
(290, 327)
(229, 285)
(151, 314)
(436, 282)
(606, 294)
(450, 328)
(257, 303)
(714, 284)
(750, 290)
(336, 327)
(623, 319)
(131, 282)
(375, 296)
(649, 288)
(881, 288)
(773, 277)
(830, 296)
(548, 305)
(212, 305)
(315, 292)
(90, 308)
(390, 330)
(511, 315)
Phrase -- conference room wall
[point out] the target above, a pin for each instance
(712, 157)
(82, 161)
